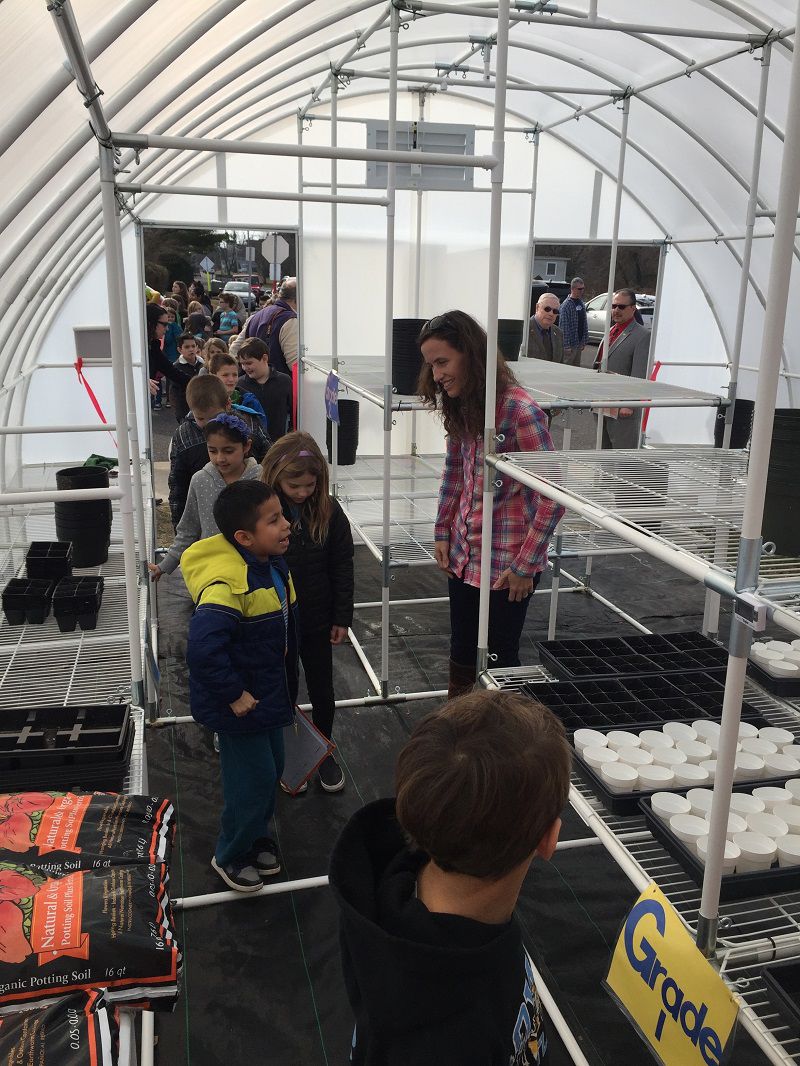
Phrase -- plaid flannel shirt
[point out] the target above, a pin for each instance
(523, 521)
(568, 323)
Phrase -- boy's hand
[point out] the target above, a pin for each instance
(338, 634)
(244, 705)
(155, 571)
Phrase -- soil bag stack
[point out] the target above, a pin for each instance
(76, 1031)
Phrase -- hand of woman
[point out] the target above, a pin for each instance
(338, 634)
(519, 588)
(441, 551)
(153, 387)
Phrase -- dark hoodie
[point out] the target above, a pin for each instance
(426, 989)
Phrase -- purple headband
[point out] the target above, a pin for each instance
(305, 453)
(232, 422)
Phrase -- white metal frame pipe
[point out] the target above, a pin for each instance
(530, 254)
(489, 418)
(334, 131)
(8, 499)
(750, 541)
(144, 188)
(98, 427)
(300, 280)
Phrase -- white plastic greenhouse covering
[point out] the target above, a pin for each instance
(241, 69)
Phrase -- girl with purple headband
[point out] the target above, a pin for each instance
(228, 442)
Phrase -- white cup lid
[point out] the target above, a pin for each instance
(654, 738)
(742, 803)
(679, 731)
(670, 803)
(700, 798)
(747, 729)
(621, 738)
(589, 738)
(776, 735)
(768, 824)
(755, 845)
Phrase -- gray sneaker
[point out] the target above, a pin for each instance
(264, 857)
(241, 878)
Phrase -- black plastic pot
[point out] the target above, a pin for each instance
(76, 601)
(49, 559)
(509, 337)
(406, 356)
(347, 436)
(742, 424)
(27, 600)
(87, 523)
(781, 522)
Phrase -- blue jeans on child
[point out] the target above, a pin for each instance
(506, 621)
(251, 765)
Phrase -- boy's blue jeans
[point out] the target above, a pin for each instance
(251, 765)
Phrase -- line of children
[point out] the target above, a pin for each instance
(272, 389)
(223, 366)
(320, 558)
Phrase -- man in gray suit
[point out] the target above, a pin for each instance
(628, 349)
(545, 339)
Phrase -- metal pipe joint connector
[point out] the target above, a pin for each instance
(707, 935)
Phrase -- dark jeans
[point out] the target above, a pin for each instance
(251, 765)
(316, 655)
(506, 621)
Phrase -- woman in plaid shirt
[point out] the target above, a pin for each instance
(453, 380)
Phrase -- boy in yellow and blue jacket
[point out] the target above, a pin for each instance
(242, 658)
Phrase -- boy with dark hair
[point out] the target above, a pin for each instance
(242, 658)
(206, 397)
(434, 964)
(190, 364)
(272, 389)
(222, 365)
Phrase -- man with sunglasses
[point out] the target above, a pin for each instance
(573, 323)
(628, 350)
(545, 339)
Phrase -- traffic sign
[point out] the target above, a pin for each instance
(275, 248)
(206, 265)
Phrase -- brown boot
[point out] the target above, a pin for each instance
(462, 679)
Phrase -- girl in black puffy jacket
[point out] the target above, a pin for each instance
(320, 559)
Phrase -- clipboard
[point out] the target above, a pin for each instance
(305, 749)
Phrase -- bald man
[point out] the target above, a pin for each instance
(545, 339)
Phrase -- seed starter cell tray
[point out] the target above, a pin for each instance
(27, 600)
(76, 601)
(782, 982)
(780, 686)
(54, 737)
(639, 655)
(49, 559)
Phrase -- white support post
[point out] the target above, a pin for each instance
(531, 251)
(386, 553)
(489, 418)
(298, 255)
(750, 543)
(115, 281)
(222, 183)
(417, 265)
(334, 272)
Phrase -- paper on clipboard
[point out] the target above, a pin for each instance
(305, 748)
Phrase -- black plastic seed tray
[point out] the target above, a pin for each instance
(647, 703)
(53, 737)
(91, 776)
(781, 686)
(76, 601)
(49, 559)
(639, 655)
(27, 600)
(782, 982)
(732, 886)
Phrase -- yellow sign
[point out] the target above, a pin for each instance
(675, 998)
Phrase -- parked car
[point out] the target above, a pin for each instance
(243, 291)
(596, 313)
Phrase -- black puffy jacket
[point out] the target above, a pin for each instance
(322, 573)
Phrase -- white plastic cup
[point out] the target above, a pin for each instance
(762, 654)
(768, 824)
(696, 751)
(656, 777)
(665, 804)
(782, 668)
(743, 803)
(621, 738)
(714, 744)
(778, 645)
(689, 828)
(710, 766)
(619, 776)
(654, 738)
(796, 644)
(679, 731)
(789, 850)
(772, 795)
(747, 730)
(792, 656)
(732, 853)
(792, 786)
(748, 767)
(597, 756)
(589, 738)
(687, 775)
(700, 799)
(793, 750)
(705, 727)
(669, 756)
(757, 852)
(776, 735)
(637, 757)
(790, 814)
(780, 765)
(757, 746)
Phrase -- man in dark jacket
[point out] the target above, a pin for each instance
(545, 339)
(434, 964)
(276, 325)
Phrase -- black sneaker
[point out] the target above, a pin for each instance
(241, 878)
(264, 857)
(330, 775)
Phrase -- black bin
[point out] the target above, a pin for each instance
(406, 356)
(87, 523)
(509, 337)
(742, 424)
(782, 503)
(347, 438)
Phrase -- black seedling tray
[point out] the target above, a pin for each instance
(76, 601)
(90, 776)
(49, 559)
(635, 656)
(732, 886)
(626, 803)
(782, 982)
(27, 600)
(781, 686)
(636, 702)
(53, 737)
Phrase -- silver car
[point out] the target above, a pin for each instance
(243, 291)
(596, 314)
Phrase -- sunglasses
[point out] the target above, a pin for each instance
(551, 310)
(621, 307)
(439, 322)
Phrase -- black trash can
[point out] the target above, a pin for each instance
(781, 522)
(406, 356)
(87, 523)
(509, 337)
(742, 424)
(347, 439)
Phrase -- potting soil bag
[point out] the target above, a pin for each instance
(78, 1030)
(61, 832)
(93, 929)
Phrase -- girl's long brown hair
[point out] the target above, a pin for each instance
(464, 415)
(295, 455)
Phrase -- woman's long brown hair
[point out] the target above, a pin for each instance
(295, 455)
(464, 415)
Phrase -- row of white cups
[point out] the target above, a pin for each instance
(779, 658)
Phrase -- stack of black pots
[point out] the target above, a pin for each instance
(509, 337)
(87, 523)
(782, 504)
(406, 356)
(742, 424)
(347, 437)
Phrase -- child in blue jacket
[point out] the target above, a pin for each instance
(242, 658)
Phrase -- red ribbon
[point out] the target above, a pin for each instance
(95, 402)
(653, 376)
